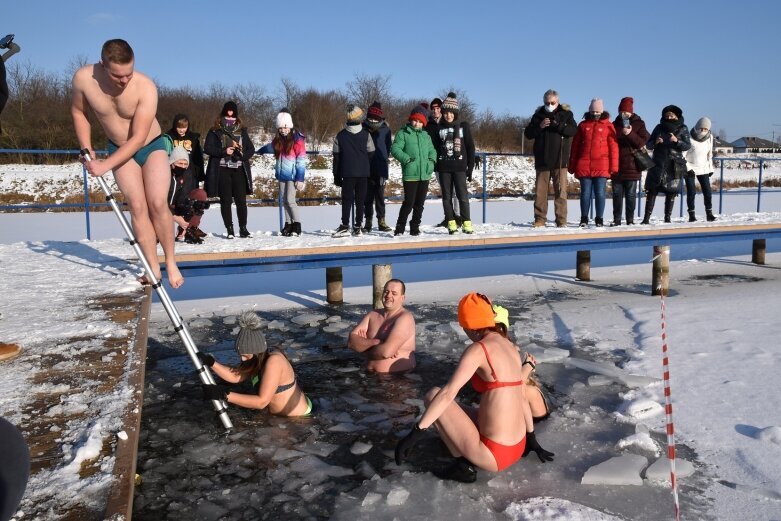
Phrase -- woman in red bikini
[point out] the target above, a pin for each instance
(500, 431)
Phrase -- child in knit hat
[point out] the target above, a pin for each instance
(186, 200)
(415, 151)
(289, 149)
(272, 376)
(353, 149)
(378, 169)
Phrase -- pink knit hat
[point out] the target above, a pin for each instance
(596, 105)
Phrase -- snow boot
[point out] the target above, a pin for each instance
(368, 226)
(383, 226)
(709, 215)
(452, 227)
(200, 233)
(287, 231)
(460, 470)
(649, 209)
(583, 222)
(414, 229)
(692, 217)
(357, 231)
(244, 233)
(443, 224)
(296, 229)
(669, 203)
(599, 222)
(229, 231)
(342, 231)
(190, 237)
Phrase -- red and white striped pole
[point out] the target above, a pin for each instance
(668, 409)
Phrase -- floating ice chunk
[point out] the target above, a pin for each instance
(549, 355)
(316, 470)
(336, 327)
(397, 496)
(374, 418)
(349, 369)
(456, 327)
(360, 447)
(318, 448)
(554, 509)
(599, 380)
(642, 409)
(415, 402)
(199, 323)
(333, 318)
(353, 398)
(371, 498)
(660, 469)
(308, 319)
(365, 470)
(230, 320)
(611, 371)
(771, 434)
(283, 454)
(277, 324)
(641, 440)
(500, 481)
(122, 435)
(346, 427)
(621, 470)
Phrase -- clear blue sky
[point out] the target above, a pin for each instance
(713, 58)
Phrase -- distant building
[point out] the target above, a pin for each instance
(721, 147)
(753, 144)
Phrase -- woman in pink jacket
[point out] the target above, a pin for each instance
(593, 157)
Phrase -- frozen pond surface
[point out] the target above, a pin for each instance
(339, 463)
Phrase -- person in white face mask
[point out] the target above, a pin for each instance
(551, 127)
(699, 166)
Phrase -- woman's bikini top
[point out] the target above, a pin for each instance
(280, 389)
(481, 386)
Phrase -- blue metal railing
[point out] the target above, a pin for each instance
(484, 196)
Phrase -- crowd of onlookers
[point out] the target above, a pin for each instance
(436, 142)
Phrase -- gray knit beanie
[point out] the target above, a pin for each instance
(250, 340)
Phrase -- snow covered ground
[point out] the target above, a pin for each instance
(722, 330)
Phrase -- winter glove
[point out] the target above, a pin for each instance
(404, 447)
(469, 174)
(214, 392)
(299, 185)
(206, 359)
(337, 180)
(533, 446)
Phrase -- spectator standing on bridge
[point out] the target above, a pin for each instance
(229, 174)
(669, 140)
(500, 431)
(182, 136)
(386, 337)
(593, 158)
(289, 149)
(551, 127)
(378, 167)
(631, 134)
(699, 165)
(432, 127)
(353, 150)
(455, 162)
(415, 151)
(271, 374)
(187, 201)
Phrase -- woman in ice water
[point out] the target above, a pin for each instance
(500, 430)
(270, 372)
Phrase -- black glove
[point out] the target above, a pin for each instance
(532, 445)
(206, 359)
(338, 180)
(214, 392)
(404, 447)
(469, 174)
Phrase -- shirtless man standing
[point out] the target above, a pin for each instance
(125, 104)
(387, 336)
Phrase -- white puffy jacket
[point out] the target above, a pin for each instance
(700, 156)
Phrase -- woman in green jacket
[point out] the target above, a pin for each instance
(413, 148)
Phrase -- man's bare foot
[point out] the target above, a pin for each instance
(175, 278)
(144, 280)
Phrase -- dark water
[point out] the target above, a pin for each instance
(329, 465)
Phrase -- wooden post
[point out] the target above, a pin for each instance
(334, 288)
(381, 273)
(660, 277)
(583, 270)
(758, 251)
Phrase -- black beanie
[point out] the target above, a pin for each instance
(231, 105)
(435, 101)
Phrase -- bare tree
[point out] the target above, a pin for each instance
(364, 90)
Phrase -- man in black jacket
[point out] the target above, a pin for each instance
(551, 127)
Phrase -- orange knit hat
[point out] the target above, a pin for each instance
(475, 311)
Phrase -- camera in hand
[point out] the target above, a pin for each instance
(236, 156)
